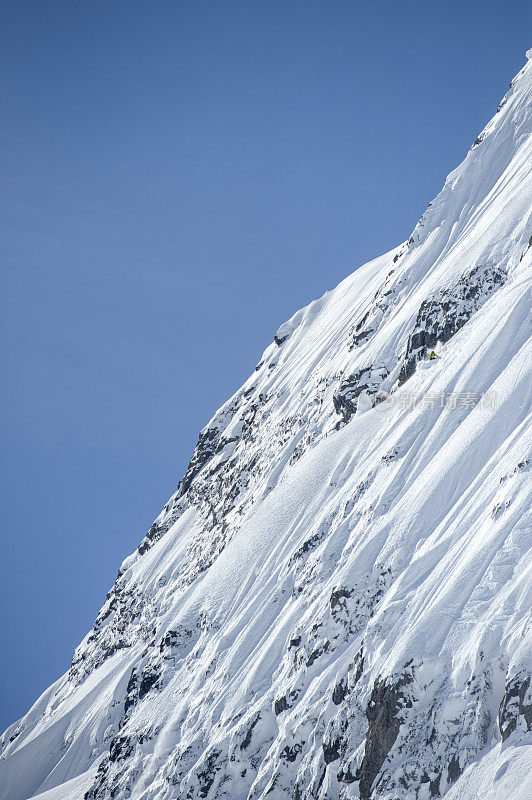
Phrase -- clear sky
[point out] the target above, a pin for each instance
(177, 179)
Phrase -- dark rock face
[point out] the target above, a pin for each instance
(368, 379)
(515, 703)
(104, 786)
(339, 692)
(290, 754)
(477, 141)
(453, 769)
(149, 678)
(246, 741)
(207, 775)
(205, 449)
(280, 705)
(121, 747)
(208, 442)
(306, 547)
(383, 727)
(132, 691)
(440, 317)
(331, 751)
(280, 339)
(123, 608)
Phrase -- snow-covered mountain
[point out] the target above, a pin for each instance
(335, 601)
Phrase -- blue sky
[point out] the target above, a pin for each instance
(178, 178)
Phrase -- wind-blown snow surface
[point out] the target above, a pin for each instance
(334, 604)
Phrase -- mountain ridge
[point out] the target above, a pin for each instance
(334, 603)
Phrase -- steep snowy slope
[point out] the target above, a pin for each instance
(335, 602)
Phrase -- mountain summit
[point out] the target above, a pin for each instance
(334, 603)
